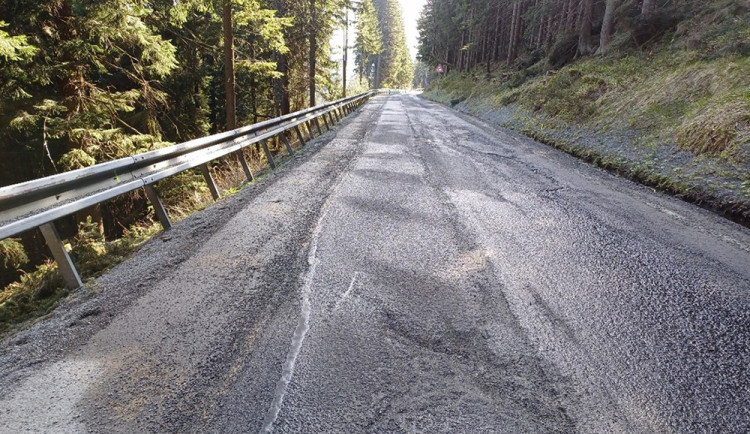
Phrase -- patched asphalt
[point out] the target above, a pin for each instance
(414, 271)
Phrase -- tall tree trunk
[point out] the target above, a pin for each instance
(515, 32)
(486, 46)
(573, 6)
(281, 84)
(648, 8)
(229, 86)
(346, 50)
(377, 71)
(461, 51)
(313, 51)
(253, 99)
(563, 16)
(607, 24)
(549, 34)
(585, 42)
(537, 33)
(498, 35)
(542, 28)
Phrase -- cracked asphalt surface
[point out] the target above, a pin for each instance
(414, 271)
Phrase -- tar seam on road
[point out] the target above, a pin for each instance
(304, 321)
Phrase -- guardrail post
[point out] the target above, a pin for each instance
(334, 115)
(159, 210)
(269, 157)
(287, 144)
(210, 181)
(310, 133)
(245, 166)
(325, 121)
(299, 135)
(64, 263)
(317, 125)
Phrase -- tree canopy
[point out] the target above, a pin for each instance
(86, 81)
(380, 47)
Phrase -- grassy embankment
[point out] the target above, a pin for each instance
(674, 118)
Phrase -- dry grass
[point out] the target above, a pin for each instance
(670, 97)
(715, 129)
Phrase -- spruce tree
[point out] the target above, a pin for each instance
(369, 41)
(393, 67)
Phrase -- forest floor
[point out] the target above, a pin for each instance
(683, 129)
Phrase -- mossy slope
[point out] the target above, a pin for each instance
(671, 117)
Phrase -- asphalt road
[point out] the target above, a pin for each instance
(414, 271)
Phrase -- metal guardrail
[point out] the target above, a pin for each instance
(40, 202)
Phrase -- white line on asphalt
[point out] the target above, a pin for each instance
(348, 291)
(299, 336)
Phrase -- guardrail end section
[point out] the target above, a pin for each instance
(64, 263)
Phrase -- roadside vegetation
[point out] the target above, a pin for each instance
(672, 112)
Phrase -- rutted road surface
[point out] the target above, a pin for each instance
(414, 271)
